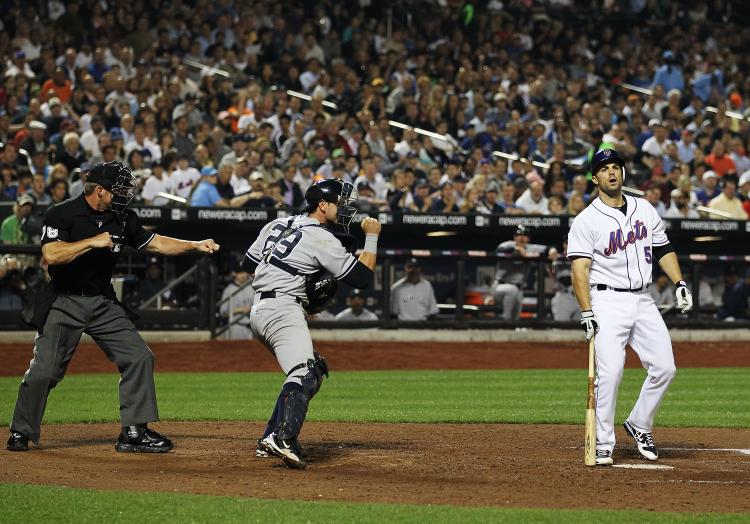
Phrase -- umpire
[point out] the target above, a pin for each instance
(81, 241)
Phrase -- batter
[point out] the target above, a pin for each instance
(612, 246)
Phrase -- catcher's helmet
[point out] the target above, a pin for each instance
(521, 230)
(343, 194)
(606, 156)
(116, 178)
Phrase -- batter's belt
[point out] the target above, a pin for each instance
(603, 287)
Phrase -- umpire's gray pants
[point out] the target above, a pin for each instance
(106, 322)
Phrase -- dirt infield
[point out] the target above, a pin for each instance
(252, 356)
(457, 464)
(537, 466)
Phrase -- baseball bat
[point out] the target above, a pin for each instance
(590, 442)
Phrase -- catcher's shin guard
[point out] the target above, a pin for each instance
(295, 408)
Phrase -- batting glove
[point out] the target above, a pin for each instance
(684, 298)
(589, 323)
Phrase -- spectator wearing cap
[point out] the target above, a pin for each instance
(421, 197)
(237, 300)
(532, 200)
(259, 196)
(206, 193)
(36, 139)
(710, 189)
(669, 75)
(152, 282)
(158, 182)
(512, 272)
(357, 312)
(19, 66)
(686, 146)
(728, 202)
(720, 162)
(412, 297)
(11, 230)
(680, 206)
(55, 117)
(489, 203)
(735, 300)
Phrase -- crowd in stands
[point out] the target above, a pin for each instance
(194, 97)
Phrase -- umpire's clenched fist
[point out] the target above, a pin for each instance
(207, 246)
(371, 226)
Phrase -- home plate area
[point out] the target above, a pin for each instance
(506, 465)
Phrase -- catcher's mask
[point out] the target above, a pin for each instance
(343, 194)
(116, 178)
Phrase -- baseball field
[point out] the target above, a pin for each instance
(434, 432)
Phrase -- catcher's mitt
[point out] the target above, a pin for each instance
(320, 288)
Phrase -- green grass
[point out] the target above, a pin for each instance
(56, 504)
(714, 397)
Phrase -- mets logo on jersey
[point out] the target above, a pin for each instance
(619, 241)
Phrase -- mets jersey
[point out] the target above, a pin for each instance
(288, 249)
(619, 245)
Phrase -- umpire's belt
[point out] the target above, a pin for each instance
(602, 287)
(272, 294)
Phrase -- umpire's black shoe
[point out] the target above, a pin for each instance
(17, 442)
(141, 439)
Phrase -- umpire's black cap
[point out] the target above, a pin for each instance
(107, 174)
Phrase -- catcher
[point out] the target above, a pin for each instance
(297, 262)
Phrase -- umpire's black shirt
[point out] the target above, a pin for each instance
(90, 273)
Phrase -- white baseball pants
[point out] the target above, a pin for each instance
(629, 318)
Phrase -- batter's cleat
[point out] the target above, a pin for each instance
(604, 457)
(17, 442)
(141, 439)
(644, 441)
(288, 451)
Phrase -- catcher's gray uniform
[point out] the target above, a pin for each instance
(287, 250)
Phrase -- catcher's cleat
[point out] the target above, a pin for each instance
(288, 451)
(141, 439)
(260, 451)
(604, 457)
(17, 442)
(643, 440)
